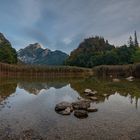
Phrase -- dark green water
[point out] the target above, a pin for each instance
(27, 106)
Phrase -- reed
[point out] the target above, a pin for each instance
(36, 71)
(118, 70)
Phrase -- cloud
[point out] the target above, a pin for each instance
(30, 11)
(67, 41)
(64, 24)
(36, 35)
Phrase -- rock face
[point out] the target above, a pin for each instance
(35, 54)
(81, 114)
(7, 53)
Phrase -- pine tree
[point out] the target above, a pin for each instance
(136, 40)
(130, 42)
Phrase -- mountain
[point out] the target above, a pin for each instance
(89, 52)
(7, 53)
(35, 54)
(95, 51)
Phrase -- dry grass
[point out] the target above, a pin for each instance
(118, 70)
(30, 70)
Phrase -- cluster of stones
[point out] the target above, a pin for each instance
(92, 94)
(80, 108)
(130, 79)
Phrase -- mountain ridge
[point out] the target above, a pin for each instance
(36, 54)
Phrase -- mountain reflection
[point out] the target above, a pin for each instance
(34, 86)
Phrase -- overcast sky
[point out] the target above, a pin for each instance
(63, 24)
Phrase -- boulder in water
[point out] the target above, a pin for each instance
(81, 105)
(81, 114)
(63, 106)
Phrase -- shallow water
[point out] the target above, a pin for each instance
(27, 108)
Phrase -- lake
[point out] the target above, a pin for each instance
(27, 109)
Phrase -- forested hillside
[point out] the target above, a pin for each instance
(7, 53)
(96, 51)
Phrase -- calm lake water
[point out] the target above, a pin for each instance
(27, 109)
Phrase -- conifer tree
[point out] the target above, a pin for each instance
(136, 40)
(130, 42)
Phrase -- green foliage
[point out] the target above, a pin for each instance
(124, 54)
(96, 51)
(136, 56)
(111, 58)
(90, 52)
(131, 42)
(136, 40)
(7, 53)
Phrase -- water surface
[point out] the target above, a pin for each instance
(27, 106)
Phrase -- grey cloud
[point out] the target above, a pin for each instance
(36, 35)
(62, 24)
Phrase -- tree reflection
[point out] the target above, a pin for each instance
(103, 86)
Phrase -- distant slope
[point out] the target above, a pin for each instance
(88, 52)
(7, 53)
(35, 54)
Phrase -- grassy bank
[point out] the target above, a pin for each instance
(30, 70)
(118, 70)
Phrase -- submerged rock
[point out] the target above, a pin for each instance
(81, 114)
(81, 105)
(80, 108)
(92, 109)
(105, 95)
(67, 111)
(116, 80)
(62, 106)
(94, 98)
(89, 92)
(130, 78)
(80, 98)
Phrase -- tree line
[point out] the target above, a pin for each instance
(91, 52)
(96, 51)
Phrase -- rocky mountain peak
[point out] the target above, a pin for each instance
(34, 46)
(36, 54)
